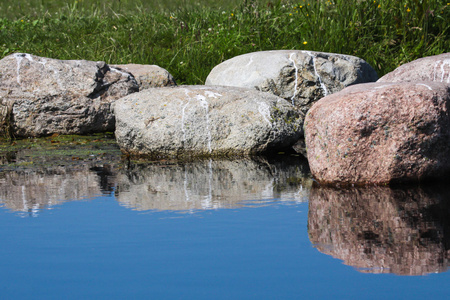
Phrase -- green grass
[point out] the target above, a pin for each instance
(188, 38)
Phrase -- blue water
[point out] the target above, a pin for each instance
(98, 249)
(194, 232)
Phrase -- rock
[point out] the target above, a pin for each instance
(379, 133)
(212, 184)
(382, 230)
(148, 76)
(204, 121)
(301, 77)
(41, 96)
(431, 68)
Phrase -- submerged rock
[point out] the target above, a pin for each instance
(148, 76)
(301, 77)
(431, 68)
(204, 121)
(380, 133)
(42, 96)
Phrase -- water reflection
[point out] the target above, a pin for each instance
(208, 184)
(383, 230)
(30, 190)
(212, 184)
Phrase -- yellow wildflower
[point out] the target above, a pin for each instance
(408, 10)
(232, 14)
(305, 42)
(379, 5)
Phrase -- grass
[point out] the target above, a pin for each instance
(188, 38)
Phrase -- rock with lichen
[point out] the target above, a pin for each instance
(42, 96)
(301, 77)
(204, 121)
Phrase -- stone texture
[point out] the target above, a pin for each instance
(431, 68)
(148, 76)
(213, 184)
(204, 121)
(41, 96)
(380, 133)
(301, 77)
(382, 230)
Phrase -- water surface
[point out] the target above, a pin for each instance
(214, 229)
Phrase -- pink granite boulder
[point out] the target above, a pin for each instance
(431, 68)
(380, 133)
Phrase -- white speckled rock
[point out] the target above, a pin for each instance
(301, 77)
(204, 121)
(41, 96)
(148, 76)
(432, 68)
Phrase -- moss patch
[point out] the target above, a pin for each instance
(59, 150)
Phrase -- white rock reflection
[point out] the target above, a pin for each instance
(197, 185)
(30, 190)
(213, 184)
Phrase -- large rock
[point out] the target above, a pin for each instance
(213, 184)
(431, 68)
(301, 77)
(380, 133)
(41, 96)
(148, 76)
(382, 230)
(204, 121)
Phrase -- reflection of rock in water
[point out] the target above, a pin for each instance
(32, 189)
(211, 184)
(382, 230)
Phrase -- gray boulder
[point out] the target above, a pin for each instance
(431, 68)
(301, 77)
(148, 76)
(41, 96)
(204, 121)
(380, 133)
